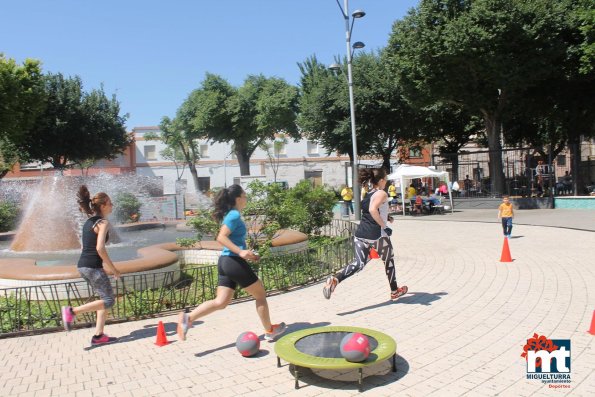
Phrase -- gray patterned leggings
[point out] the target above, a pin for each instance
(362, 249)
(100, 283)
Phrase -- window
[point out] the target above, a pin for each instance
(315, 177)
(561, 160)
(414, 152)
(204, 151)
(150, 154)
(312, 148)
(280, 149)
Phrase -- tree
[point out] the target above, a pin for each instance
(21, 100)
(452, 128)
(484, 55)
(75, 126)
(176, 156)
(181, 143)
(248, 116)
(273, 150)
(383, 117)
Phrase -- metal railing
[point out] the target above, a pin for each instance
(34, 309)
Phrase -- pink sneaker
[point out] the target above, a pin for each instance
(102, 340)
(67, 317)
(276, 330)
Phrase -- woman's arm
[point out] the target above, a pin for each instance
(377, 200)
(101, 235)
(223, 238)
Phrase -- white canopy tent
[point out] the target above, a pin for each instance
(406, 171)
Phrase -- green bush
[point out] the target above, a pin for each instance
(127, 208)
(9, 212)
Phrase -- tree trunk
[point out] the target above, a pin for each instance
(244, 161)
(455, 167)
(492, 123)
(194, 173)
(575, 155)
(386, 162)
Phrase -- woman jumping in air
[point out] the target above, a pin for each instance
(371, 232)
(233, 267)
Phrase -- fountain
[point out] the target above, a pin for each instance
(52, 223)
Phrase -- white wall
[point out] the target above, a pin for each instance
(222, 167)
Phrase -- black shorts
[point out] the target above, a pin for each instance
(234, 270)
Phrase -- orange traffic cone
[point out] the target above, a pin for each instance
(161, 337)
(592, 330)
(374, 253)
(505, 252)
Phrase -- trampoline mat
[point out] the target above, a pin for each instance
(326, 344)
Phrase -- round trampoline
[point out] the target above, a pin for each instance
(318, 348)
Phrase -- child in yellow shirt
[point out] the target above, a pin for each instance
(506, 213)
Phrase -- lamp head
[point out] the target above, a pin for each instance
(334, 66)
(358, 14)
(358, 45)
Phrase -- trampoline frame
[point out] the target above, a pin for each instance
(286, 350)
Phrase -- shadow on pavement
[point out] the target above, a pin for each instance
(149, 331)
(290, 328)
(374, 376)
(411, 298)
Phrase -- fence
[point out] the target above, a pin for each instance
(37, 308)
(525, 173)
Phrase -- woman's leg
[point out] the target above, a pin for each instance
(222, 299)
(362, 250)
(262, 307)
(102, 287)
(386, 253)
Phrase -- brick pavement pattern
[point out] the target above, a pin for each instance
(459, 331)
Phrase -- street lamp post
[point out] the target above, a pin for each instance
(356, 45)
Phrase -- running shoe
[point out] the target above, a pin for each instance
(329, 287)
(67, 317)
(183, 325)
(276, 330)
(102, 339)
(398, 293)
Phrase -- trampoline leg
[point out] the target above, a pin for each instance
(278, 362)
(361, 376)
(295, 373)
(395, 362)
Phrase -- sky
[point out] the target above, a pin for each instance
(153, 53)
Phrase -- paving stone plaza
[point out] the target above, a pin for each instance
(459, 331)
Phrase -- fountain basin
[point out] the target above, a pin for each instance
(155, 260)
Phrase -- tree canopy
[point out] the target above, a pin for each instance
(383, 117)
(246, 116)
(484, 55)
(21, 100)
(75, 126)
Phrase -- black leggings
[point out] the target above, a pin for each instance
(234, 270)
(362, 250)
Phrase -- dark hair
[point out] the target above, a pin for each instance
(88, 205)
(225, 200)
(371, 175)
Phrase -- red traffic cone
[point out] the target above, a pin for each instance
(505, 252)
(374, 253)
(161, 337)
(592, 330)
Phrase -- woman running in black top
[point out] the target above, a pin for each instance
(372, 231)
(90, 265)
